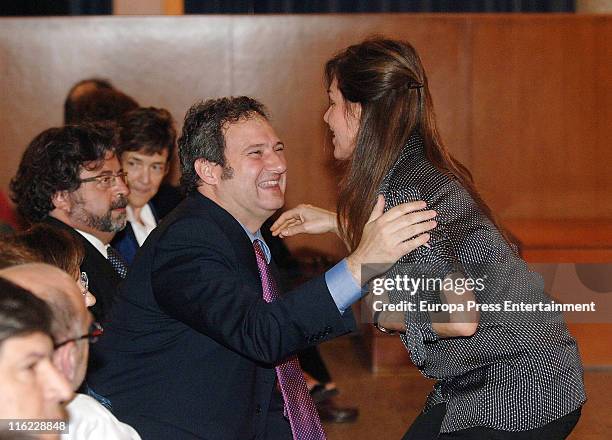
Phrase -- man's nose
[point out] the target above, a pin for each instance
(275, 161)
(121, 187)
(56, 386)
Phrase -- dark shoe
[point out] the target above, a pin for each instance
(335, 414)
(320, 394)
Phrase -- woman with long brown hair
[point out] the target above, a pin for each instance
(500, 374)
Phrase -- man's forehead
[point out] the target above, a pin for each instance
(252, 131)
(110, 163)
(33, 346)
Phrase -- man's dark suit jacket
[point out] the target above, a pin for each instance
(166, 199)
(191, 348)
(103, 280)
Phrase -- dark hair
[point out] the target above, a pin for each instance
(204, 129)
(149, 128)
(387, 78)
(21, 313)
(98, 104)
(77, 91)
(51, 245)
(53, 161)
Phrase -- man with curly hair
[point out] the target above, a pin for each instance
(70, 177)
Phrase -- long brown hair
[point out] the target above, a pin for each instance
(387, 78)
(48, 244)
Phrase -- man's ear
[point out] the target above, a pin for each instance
(64, 359)
(208, 171)
(61, 200)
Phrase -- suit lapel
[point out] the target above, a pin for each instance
(242, 246)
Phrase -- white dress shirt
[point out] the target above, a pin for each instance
(142, 227)
(95, 242)
(89, 420)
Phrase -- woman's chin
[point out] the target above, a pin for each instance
(342, 153)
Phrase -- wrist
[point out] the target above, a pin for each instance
(378, 323)
(353, 264)
(333, 223)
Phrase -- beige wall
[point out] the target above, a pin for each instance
(524, 100)
(594, 6)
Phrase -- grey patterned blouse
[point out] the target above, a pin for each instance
(520, 370)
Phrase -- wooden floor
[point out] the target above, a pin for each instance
(389, 403)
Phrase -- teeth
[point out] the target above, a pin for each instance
(269, 183)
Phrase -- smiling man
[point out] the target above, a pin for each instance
(70, 177)
(202, 343)
(146, 142)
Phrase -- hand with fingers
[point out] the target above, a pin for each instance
(388, 237)
(304, 219)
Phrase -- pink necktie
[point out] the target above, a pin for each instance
(299, 406)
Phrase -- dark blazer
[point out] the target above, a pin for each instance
(125, 240)
(103, 280)
(191, 349)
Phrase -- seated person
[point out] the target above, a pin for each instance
(30, 385)
(72, 330)
(44, 243)
(146, 141)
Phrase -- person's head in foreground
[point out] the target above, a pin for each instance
(71, 323)
(231, 154)
(378, 98)
(30, 385)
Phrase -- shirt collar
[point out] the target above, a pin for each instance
(145, 226)
(146, 216)
(257, 236)
(95, 242)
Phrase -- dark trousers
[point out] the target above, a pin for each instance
(427, 427)
(312, 363)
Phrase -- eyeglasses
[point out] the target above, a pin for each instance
(106, 181)
(84, 282)
(95, 331)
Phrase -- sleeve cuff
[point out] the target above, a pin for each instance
(342, 286)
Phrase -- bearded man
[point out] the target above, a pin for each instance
(71, 178)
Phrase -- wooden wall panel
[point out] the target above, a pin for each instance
(541, 116)
(524, 100)
(166, 62)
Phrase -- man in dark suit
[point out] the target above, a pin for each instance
(71, 178)
(201, 346)
(146, 142)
